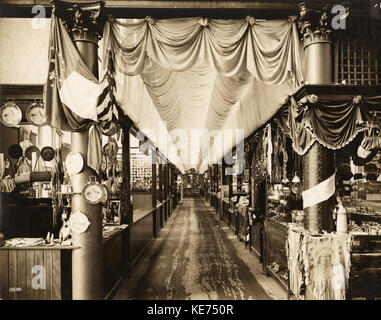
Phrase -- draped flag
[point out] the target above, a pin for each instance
(71, 91)
(107, 110)
(74, 99)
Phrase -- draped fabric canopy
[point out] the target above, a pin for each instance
(331, 122)
(199, 74)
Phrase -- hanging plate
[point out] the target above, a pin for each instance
(30, 150)
(78, 222)
(47, 153)
(15, 151)
(93, 191)
(35, 114)
(111, 148)
(10, 114)
(74, 163)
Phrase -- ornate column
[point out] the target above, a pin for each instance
(319, 163)
(84, 23)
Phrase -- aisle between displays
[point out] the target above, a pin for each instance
(350, 255)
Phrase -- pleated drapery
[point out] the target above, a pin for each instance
(195, 73)
(333, 123)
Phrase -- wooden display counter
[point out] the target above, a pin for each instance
(114, 257)
(242, 223)
(21, 267)
(256, 239)
(141, 235)
(365, 276)
(275, 237)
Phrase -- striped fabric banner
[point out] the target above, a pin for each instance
(107, 111)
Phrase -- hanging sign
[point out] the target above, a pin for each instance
(319, 193)
(78, 222)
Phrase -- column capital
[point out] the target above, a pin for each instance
(84, 21)
(315, 22)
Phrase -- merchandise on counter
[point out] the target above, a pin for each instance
(24, 242)
(2, 239)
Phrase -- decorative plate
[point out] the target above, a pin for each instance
(74, 163)
(35, 114)
(15, 151)
(30, 150)
(93, 192)
(111, 148)
(10, 114)
(78, 222)
(48, 153)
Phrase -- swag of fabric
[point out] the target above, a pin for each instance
(332, 123)
(74, 99)
(204, 73)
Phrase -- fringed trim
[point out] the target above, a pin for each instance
(305, 150)
(309, 128)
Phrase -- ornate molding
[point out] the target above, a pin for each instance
(314, 23)
(84, 21)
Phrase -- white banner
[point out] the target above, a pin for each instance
(319, 193)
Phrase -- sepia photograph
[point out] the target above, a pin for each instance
(192, 156)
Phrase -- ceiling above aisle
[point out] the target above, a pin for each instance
(194, 77)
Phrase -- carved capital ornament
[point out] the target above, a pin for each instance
(314, 24)
(84, 21)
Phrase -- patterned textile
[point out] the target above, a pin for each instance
(320, 262)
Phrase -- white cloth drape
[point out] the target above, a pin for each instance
(196, 73)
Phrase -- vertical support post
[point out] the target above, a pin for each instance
(154, 194)
(210, 189)
(126, 206)
(161, 192)
(126, 209)
(83, 23)
(154, 180)
(165, 180)
(227, 180)
(319, 162)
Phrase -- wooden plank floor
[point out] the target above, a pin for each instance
(192, 259)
